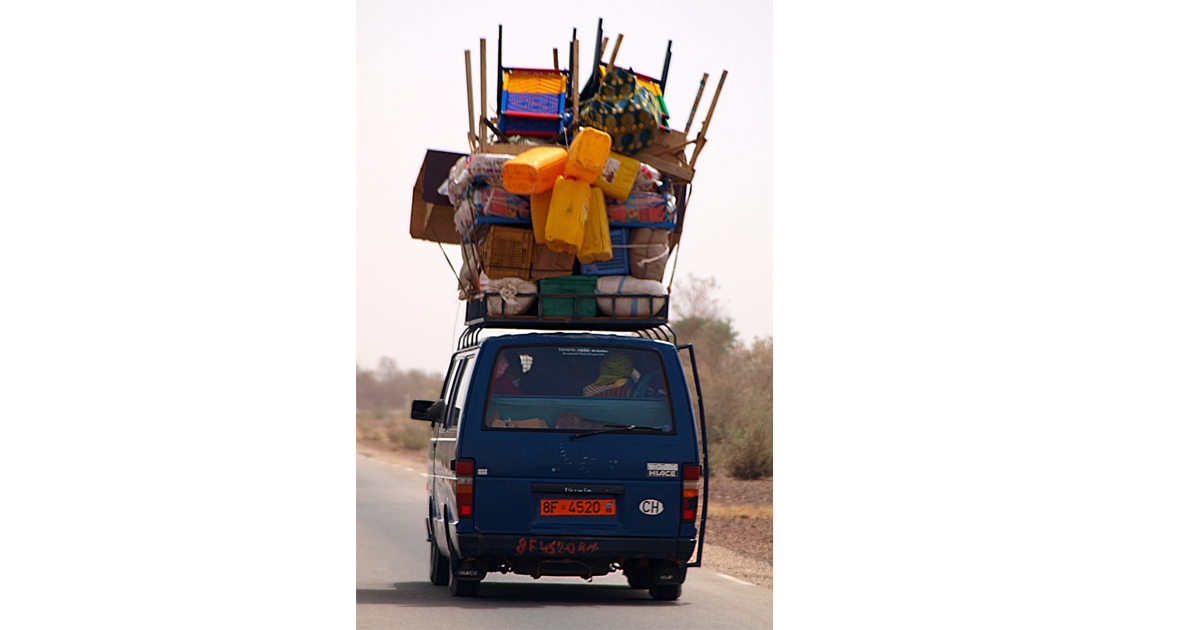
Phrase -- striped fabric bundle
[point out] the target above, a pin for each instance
(609, 390)
(480, 168)
(494, 202)
(642, 208)
(488, 201)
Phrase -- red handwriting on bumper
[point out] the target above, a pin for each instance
(554, 547)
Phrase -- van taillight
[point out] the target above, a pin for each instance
(691, 492)
(464, 486)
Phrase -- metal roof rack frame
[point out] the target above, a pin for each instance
(477, 313)
(649, 327)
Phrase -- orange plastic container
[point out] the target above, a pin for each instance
(597, 242)
(587, 155)
(534, 171)
(616, 180)
(539, 206)
(568, 215)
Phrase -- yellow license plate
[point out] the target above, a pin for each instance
(579, 507)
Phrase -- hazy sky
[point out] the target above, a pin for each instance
(411, 88)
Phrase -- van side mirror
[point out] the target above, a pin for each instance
(428, 410)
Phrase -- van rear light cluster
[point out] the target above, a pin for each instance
(464, 486)
(691, 492)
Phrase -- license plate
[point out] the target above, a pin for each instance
(579, 507)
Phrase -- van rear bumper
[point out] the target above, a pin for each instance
(610, 548)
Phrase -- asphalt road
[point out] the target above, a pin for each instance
(394, 590)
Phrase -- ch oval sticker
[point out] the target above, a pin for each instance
(651, 507)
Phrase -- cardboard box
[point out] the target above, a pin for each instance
(667, 155)
(548, 263)
(432, 217)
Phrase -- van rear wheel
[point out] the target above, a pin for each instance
(439, 565)
(666, 592)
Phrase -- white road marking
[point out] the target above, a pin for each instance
(733, 579)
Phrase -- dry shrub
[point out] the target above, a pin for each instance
(363, 430)
(748, 451)
(388, 388)
(736, 379)
(410, 436)
(738, 403)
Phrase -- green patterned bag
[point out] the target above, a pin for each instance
(625, 110)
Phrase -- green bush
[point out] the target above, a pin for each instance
(748, 451)
(365, 431)
(410, 436)
(737, 377)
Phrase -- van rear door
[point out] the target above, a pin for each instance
(581, 440)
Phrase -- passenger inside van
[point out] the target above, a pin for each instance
(508, 376)
(615, 379)
(541, 378)
(565, 388)
(557, 375)
(580, 373)
(650, 383)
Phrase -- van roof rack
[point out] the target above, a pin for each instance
(648, 327)
(568, 311)
(662, 332)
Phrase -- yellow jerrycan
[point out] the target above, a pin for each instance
(597, 242)
(616, 180)
(539, 211)
(587, 154)
(534, 171)
(568, 215)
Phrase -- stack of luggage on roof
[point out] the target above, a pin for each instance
(565, 193)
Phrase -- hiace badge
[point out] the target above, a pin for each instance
(662, 470)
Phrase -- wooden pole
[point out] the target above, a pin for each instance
(603, 47)
(616, 47)
(700, 139)
(470, 105)
(699, 93)
(556, 59)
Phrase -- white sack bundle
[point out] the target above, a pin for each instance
(508, 288)
(628, 285)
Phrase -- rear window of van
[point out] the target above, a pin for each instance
(573, 388)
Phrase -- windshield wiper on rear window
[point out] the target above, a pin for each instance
(613, 428)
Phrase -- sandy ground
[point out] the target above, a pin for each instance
(739, 535)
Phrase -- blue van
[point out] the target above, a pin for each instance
(566, 454)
